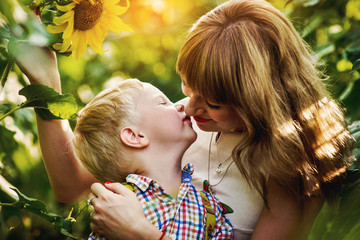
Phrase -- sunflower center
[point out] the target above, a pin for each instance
(87, 14)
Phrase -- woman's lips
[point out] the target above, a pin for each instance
(200, 120)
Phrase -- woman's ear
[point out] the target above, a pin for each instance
(132, 137)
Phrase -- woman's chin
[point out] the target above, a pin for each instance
(207, 128)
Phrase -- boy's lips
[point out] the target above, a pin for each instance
(187, 118)
(200, 119)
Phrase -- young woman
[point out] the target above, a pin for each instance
(271, 140)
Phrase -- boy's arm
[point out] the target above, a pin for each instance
(69, 179)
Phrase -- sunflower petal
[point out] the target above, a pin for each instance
(57, 46)
(56, 28)
(115, 9)
(94, 43)
(81, 45)
(75, 41)
(117, 25)
(69, 30)
(67, 7)
(66, 44)
(66, 17)
(96, 38)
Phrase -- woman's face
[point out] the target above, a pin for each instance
(211, 116)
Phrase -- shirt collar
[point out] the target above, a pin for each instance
(187, 171)
(143, 183)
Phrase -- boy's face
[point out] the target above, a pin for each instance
(163, 121)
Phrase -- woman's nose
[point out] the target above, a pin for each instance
(194, 106)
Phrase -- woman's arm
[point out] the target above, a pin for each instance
(69, 179)
(284, 220)
(118, 214)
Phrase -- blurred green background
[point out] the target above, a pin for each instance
(331, 28)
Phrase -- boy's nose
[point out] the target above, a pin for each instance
(179, 107)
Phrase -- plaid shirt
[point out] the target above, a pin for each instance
(183, 217)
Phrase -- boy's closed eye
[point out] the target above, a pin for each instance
(165, 101)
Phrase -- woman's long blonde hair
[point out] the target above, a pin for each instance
(248, 55)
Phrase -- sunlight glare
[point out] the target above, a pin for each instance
(157, 5)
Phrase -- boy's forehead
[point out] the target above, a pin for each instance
(151, 90)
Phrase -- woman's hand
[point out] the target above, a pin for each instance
(118, 214)
(38, 64)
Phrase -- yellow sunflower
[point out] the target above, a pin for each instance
(87, 22)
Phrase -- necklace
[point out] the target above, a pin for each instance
(218, 170)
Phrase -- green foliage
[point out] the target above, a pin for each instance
(7, 136)
(48, 103)
(343, 222)
(62, 225)
(330, 27)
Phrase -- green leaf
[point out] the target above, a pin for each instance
(63, 106)
(325, 50)
(356, 153)
(7, 8)
(5, 74)
(33, 205)
(5, 107)
(314, 24)
(48, 14)
(48, 103)
(354, 128)
(356, 65)
(311, 3)
(64, 226)
(26, 2)
(352, 52)
(354, 233)
(8, 143)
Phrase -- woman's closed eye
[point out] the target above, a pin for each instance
(212, 106)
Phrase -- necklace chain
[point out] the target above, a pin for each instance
(218, 170)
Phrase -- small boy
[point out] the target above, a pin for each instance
(132, 133)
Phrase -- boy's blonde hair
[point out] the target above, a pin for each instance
(246, 54)
(97, 133)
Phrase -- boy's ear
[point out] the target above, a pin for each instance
(132, 137)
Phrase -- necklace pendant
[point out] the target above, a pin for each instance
(218, 170)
